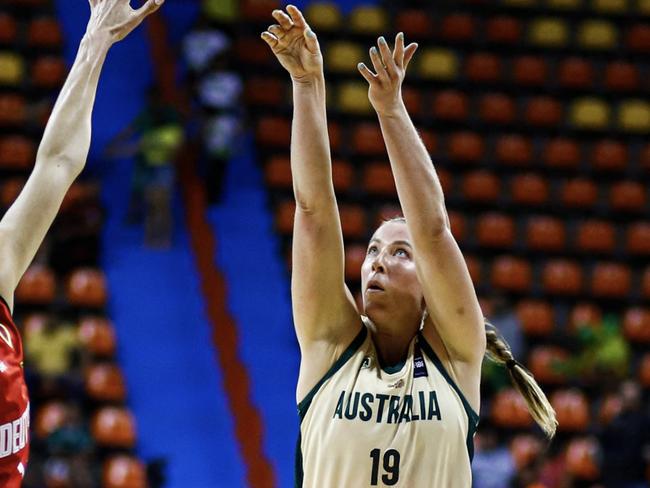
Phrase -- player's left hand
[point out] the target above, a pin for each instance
(113, 20)
(385, 91)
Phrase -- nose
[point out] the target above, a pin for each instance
(378, 264)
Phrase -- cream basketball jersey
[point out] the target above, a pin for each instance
(409, 426)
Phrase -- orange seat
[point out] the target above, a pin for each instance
(610, 407)
(536, 317)
(412, 100)
(367, 139)
(529, 189)
(543, 111)
(466, 147)
(572, 410)
(636, 325)
(513, 150)
(525, 449)
(257, 10)
(446, 180)
(638, 238)
(45, 32)
(579, 193)
(17, 152)
(509, 410)
(495, 230)
(582, 457)
(481, 186)
(638, 38)
(451, 105)
(355, 255)
(343, 175)
(277, 172)
(595, 236)
(10, 190)
(265, 91)
(457, 224)
(545, 233)
(86, 287)
(561, 153)
(609, 155)
(575, 73)
(121, 471)
(611, 280)
(13, 110)
(48, 72)
(37, 286)
(105, 383)
(50, 417)
(378, 179)
(628, 196)
(430, 140)
(284, 215)
(530, 71)
(8, 28)
(497, 108)
(97, 334)
(113, 427)
(474, 269)
(413, 23)
(622, 76)
(585, 314)
(511, 273)
(353, 221)
(546, 364)
(562, 277)
(644, 370)
(334, 133)
(247, 49)
(274, 131)
(644, 158)
(457, 27)
(503, 29)
(483, 68)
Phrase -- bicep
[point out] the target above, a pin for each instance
(323, 307)
(23, 227)
(450, 297)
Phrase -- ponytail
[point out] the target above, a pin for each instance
(539, 407)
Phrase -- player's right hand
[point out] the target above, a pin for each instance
(295, 45)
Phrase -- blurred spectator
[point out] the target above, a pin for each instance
(161, 136)
(50, 347)
(626, 441)
(493, 466)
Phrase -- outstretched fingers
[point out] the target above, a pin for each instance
(380, 69)
(270, 39)
(148, 8)
(296, 16)
(283, 19)
(409, 51)
(398, 52)
(387, 57)
(366, 73)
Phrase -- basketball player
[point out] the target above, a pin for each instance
(389, 397)
(60, 158)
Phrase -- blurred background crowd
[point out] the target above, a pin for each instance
(537, 116)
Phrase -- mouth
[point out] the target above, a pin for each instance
(374, 286)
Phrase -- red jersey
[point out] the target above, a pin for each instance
(14, 404)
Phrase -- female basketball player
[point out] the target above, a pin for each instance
(60, 158)
(388, 398)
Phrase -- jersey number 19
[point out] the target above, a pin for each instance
(390, 464)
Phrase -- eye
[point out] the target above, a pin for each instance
(372, 250)
(400, 251)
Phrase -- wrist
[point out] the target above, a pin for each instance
(392, 110)
(96, 44)
(308, 80)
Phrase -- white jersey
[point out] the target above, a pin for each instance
(407, 426)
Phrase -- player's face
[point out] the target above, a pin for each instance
(388, 276)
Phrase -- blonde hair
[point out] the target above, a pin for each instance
(498, 350)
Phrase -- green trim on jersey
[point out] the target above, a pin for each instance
(472, 416)
(303, 406)
(396, 368)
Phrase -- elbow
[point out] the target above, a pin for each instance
(70, 164)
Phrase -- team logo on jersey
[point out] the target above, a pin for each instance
(6, 336)
(367, 362)
(398, 384)
(3, 367)
(420, 369)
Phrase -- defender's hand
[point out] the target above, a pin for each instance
(295, 45)
(113, 20)
(385, 91)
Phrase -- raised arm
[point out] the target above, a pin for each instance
(323, 308)
(63, 150)
(448, 290)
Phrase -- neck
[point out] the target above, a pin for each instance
(392, 347)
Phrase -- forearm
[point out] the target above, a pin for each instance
(418, 187)
(66, 139)
(310, 152)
